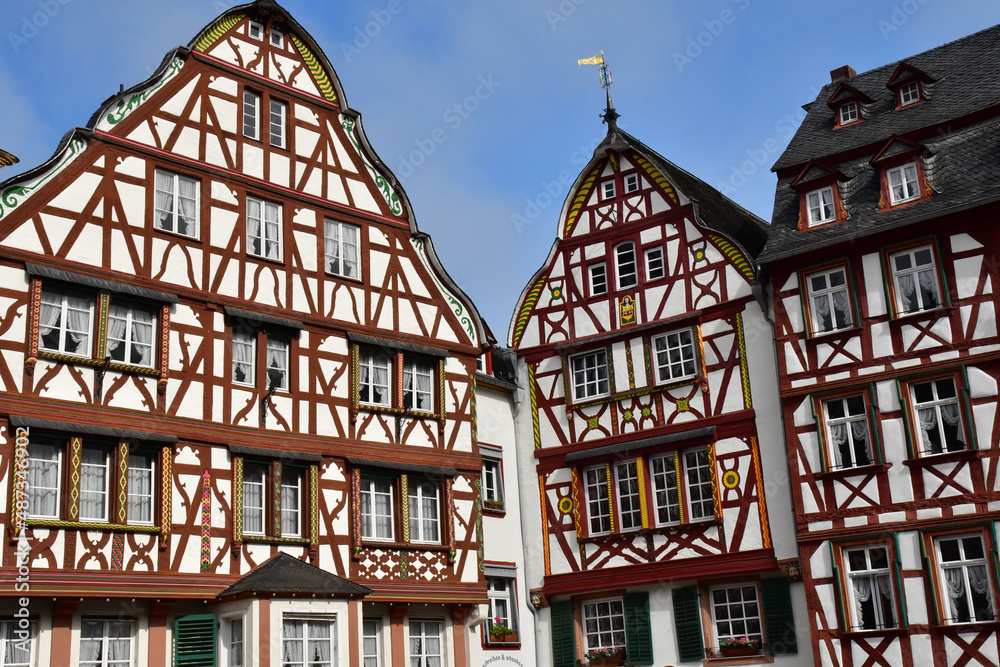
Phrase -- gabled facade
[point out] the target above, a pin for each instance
(225, 341)
(648, 385)
(888, 350)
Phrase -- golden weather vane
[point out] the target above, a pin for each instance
(609, 114)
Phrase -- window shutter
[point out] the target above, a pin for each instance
(638, 639)
(779, 619)
(195, 641)
(687, 618)
(563, 634)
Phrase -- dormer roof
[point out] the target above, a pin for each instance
(905, 73)
(844, 93)
(894, 148)
(814, 172)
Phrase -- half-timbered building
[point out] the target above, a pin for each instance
(883, 267)
(663, 531)
(238, 388)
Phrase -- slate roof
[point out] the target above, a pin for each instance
(286, 575)
(961, 161)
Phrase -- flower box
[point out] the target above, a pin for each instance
(605, 662)
(739, 651)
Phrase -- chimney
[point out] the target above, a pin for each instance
(841, 73)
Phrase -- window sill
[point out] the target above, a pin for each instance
(179, 235)
(270, 260)
(402, 412)
(944, 457)
(824, 336)
(657, 530)
(498, 513)
(982, 626)
(940, 311)
(403, 546)
(502, 646)
(762, 658)
(266, 539)
(841, 473)
(886, 632)
(93, 525)
(337, 276)
(97, 363)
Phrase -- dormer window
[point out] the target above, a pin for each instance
(903, 185)
(820, 205)
(848, 113)
(909, 94)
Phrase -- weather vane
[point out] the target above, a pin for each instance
(609, 115)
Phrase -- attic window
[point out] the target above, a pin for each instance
(277, 39)
(608, 190)
(631, 183)
(255, 30)
(909, 94)
(820, 205)
(848, 113)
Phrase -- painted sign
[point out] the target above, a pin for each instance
(626, 310)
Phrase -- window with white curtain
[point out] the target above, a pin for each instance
(903, 185)
(263, 228)
(938, 417)
(244, 357)
(492, 482)
(342, 246)
(175, 206)
(307, 641)
(130, 336)
(106, 643)
(425, 644)
(94, 484)
(374, 371)
(18, 644)
(915, 279)
(418, 385)
(847, 431)
(254, 493)
(291, 502)
(233, 641)
(371, 642)
(674, 356)
(820, 206)
(141, 478)
(869, 578)
(65, 323)
(829, 300)
(377, 522)
(425, 512)
(965, 580)
(595, 485)
(627, 487)
(43, 478)
(277, 363)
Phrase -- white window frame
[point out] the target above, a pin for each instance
(628, 492)
(597, 494)
(497, 599)
(269, 238)
(745, 618)
(626, 277)
(334, 245)
(105, 640)
(253, 27)
(241, 339)
(909, 93)
(703, 484)
(425, 526)
(261, 481)
(631, 183)
(229, 656)
(598, 278)
(656, 267)
(174, 193)
(608, 189)
(371, 658)
(820, 205)
(135, 498)
(848, 420)
(909, 183)
(415, 372)
(676, 487)
(66, 302)
(828, 295)
(277, 123)
(34, 461)
(873, 575)
(370, 488)
(587, 373)
(278, 349)
(276, 38)
(372, 361)
(250, 118)
(105, 469)
(592, 609)
(665, 345)
(493, 480)
(914, 272)
(306, 639)
(425, 658)
(10, 642)
(128, 344)
(964, 563)
(291, 508)
(848, 113)
(926, 448)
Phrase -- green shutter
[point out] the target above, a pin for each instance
(195, 641)
(687, 619)
(779, 619)
(638, 638)
(563, 634)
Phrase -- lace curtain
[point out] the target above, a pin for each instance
(186, 200)
(43, 480)
(349, 246)
(928, 419)
(242, 359)
(165, 200)
(383, 515)
(277, 364)
(863, 593)
(254, 226)
(862, 448)
(272, 242)
(908, 291)
(841, 305)
(93, 485)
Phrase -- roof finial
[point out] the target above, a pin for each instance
(609, 115)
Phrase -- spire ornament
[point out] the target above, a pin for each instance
(609, 115)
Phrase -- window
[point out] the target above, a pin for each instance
(94, 484)
(17, 643)
(105, 643)
(903, 186)
(629, 506)
(590, 375)
(938, 416)
(501, 594)
(674, 356)
(373, 379)
(343, 249)
(251, 114)
(964, 579)
(492, 484)
(130, 336)
(914, 277)
(255, 30)
(263, 228)
(598, 510)
(65, 324)
(259, 504)
(425, 512)
(425, 644)
(44, 462)
(598, 279)
(604, 624)
(254, 488)
(277, 363)
(291, 502)
(848, 113)
(418, 382)
(870, 587)
(307, 642)
(820, 205)
(625, 265)
(654, 263)
(829, 300)
(377, 522)
(277, 123)
(909, 94)
(695, 487)
(631, 183)
(847, 431)
(141, 482)
(234, 641)
(608, 190)
(371, 642)
(244, 357)
(176, 203)
(277, 39)
(736, 612)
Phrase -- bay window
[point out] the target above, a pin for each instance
(307, 641)
(106, 643)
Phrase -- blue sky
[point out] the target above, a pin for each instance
(710, 85)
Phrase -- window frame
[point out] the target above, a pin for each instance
(572, 373)
(128, 343)
(584, 616)
(250, 112)
(808, 303)
(941, 599)
(695, 358)
(597, 501)
(895, 297)
(377, 636)
(961, 402)
(493, 492)
(308, 619)
(904, 89)
(593, 283)
(633, 498)
(832, 459)
(608, 189)
(372, 355)
(852, 115)
(420, 523)
(176, 196)
(508, 595)
(246, 340)
(418, 368)
(631, 182)
(649, 260)
(105, 639)
(393, 513)
(11, 643)
(422, 658)
(821, 206)
(282, 124)
(60, 452)
(617, 254)
(849, 592)
(264, 205)
(904, 183)
(251, 25)
(273, 510)
(226, 624)
(682, 482)
(275, 33)
(716, 636)
(338, 241)
(64, 331)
